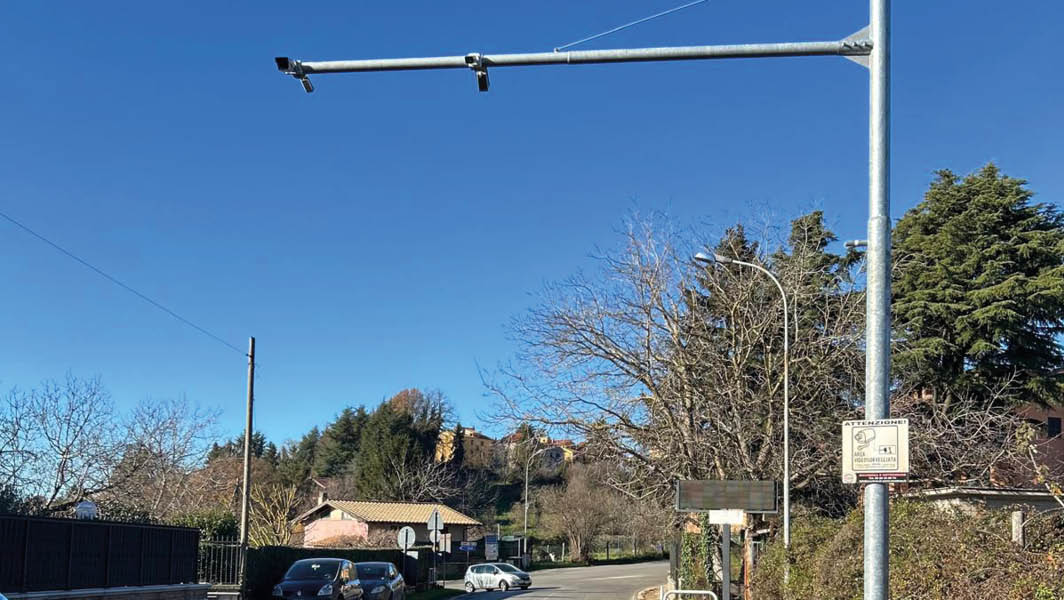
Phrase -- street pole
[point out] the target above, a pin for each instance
(877, 307)
(245, 494)
(725, 562)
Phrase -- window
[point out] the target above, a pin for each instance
(1053, 426)
(372, 570)
(313, 569)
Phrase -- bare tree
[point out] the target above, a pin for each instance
(674, 371)
(63, 442)
(968, 440)
(16, 452)
(167, 441)
(423, 481)
(580, 510)
(74, 441)
(272, 507)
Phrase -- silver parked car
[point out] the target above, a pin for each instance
(489, 576)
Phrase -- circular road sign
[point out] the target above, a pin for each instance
(406, 538)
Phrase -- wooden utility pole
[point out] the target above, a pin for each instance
(245, 495)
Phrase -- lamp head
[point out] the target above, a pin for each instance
(716, 258)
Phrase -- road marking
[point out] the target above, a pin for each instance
(620, 577)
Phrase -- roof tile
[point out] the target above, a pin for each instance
(401, 512)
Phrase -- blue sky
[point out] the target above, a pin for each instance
(379, 233)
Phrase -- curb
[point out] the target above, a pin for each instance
(644, 590)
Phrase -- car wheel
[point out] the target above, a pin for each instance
(504, 586)
(470, 588)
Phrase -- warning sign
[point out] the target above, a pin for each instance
(875, 451)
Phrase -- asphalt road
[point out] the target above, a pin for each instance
(608, 582)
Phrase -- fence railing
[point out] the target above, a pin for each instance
(219, 562)
(41, 554)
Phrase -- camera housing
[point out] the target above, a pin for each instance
(476, 62)
(295, 69)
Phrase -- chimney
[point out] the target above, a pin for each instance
(322, 497)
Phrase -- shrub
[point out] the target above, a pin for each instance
(213, 524)
(935, 554)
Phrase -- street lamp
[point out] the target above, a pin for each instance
(524, 535)
(724, 260)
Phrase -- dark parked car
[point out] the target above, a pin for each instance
(324, 578)
(381, 581)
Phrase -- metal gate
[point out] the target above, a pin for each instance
(220, 561)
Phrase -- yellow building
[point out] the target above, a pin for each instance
(479, 448)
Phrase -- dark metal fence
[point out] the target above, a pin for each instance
(219, 562)
(63, 554)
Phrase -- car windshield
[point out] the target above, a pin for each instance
(372, 571)
(508, 568)
(313, 569)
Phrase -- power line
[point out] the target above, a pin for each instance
(120, 284)
(627, 25)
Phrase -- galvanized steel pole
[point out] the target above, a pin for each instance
(877, 307)
(481, 63)
(725, 561)
(833, 48)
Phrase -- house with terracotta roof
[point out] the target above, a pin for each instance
(360, 519)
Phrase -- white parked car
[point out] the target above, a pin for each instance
(490, 576)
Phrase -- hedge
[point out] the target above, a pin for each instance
(268, 564)
(935, 554)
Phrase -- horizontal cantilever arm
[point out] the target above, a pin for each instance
(847, 47)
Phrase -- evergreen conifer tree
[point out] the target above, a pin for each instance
(339, 443)
(979, 288)
(458, 445)
(297, 459)
(388, 441)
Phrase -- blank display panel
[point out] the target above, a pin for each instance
(714, 494)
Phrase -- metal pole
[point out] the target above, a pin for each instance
(877, 359)
(245, 496)
(831, 48)
(725, 561)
